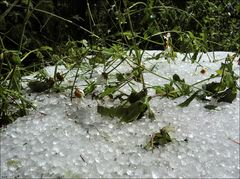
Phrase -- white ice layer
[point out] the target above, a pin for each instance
(67, 140)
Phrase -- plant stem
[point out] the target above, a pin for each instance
(138, 56)
(24, 25)
(74, 82)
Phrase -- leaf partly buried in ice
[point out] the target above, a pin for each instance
(135, 96)
(111, 112)
(210, 107)
(212, 87)
(132, 109)
(160, 138)
(226, 96)
(126, 113)
(151, 114)
(40, 86)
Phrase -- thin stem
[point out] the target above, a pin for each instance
(24, 25)
(61, 18)
(138, 56)
(194, 84)
(74, 82)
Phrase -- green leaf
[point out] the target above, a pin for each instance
(219, 72)
(212, 87)
(108, 90)
(210, 107)
(159, 139)
(45, 48)
(134, 111)
(194, 57)
(128, 34)
(105, 111)
(126, 113)
(151, 114)
(167, 90)
(120, 77)
(176, 78)
(159, 90)
(39, 55)
(189, 100)
(90, 88)
(40, 86)
(227, 96)
(16, 59)
(13, 56)
(229, 81)
(134, 96)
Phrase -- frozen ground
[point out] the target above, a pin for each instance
(67, 140)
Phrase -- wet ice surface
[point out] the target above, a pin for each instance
(64, 139)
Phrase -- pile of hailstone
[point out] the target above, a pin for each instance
(69, 139)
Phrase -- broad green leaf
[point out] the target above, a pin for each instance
(40, 86)
(134, 96)
(212, 87)
(134, 111)
(105, 111)
(126, 113)
(227, 96)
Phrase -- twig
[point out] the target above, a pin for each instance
(235, 141)
(82, 158)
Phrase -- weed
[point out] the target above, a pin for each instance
(160, 138)
(13, 103)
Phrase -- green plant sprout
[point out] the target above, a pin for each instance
(160, 138)
(169, 91)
